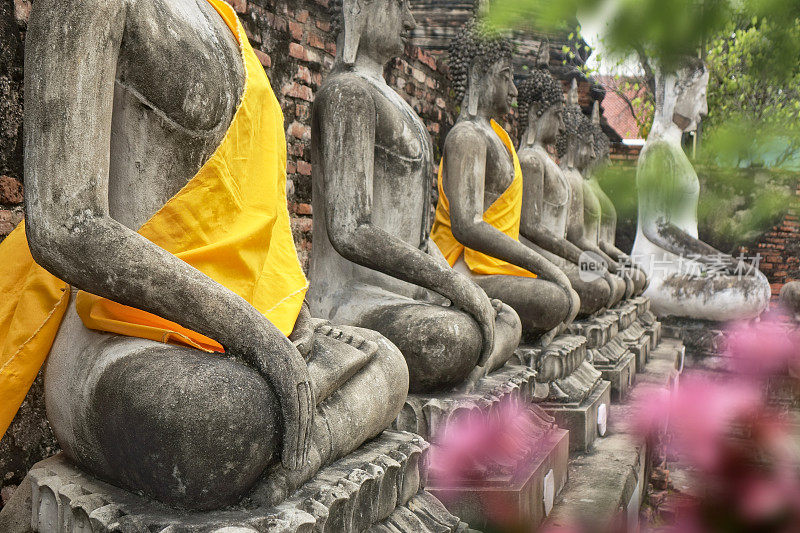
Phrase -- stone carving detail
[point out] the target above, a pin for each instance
(381, 486)
(428, 415)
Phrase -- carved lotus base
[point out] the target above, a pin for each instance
(621, 375)
(429, 414)
(586, 420)
(379, 487)
(559, 359)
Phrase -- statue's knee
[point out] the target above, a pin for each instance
(440, 346)
(558, 308)
(594, 296)
(189, 429)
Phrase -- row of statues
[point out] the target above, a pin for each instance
(401, 303)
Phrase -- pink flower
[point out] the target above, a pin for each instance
(762, 348)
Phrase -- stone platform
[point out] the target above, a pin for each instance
(586, 419)
(379, 488)
(539, 470)
(703, 340)
(606, 486)
(525, 491)
(574, 391)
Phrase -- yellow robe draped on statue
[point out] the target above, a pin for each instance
(230, 222)
(504, 214)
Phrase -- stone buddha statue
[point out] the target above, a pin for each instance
(688, 278)
(607, 230)
(372, 264)
(546, 192)
(575, 148)
(114, 138)
(480, 192)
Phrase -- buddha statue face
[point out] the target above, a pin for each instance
(575, 144)
(378, 28)
(691, 103)
(584, 152)
(541, 107)
(481, 69)
(551, 123)
(495, 86)
(681, 97)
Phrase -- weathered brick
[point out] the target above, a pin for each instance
(303, 74)
(298, 51)
(302, 225)
(298, 130)
(9, 220)
(302, 16)
(304, 168)
(10, 191)
(240, 6)
(296, 31)
(265, 59)
(297, 90)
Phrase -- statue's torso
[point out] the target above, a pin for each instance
(608, 213)
(499, 167)
(592, 213)
(555, 193)
(575, 181)
(179, 80)
(668, 190)
(399, 190)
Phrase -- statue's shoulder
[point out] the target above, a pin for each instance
(532, 158)
(465, 132)
(344, 89)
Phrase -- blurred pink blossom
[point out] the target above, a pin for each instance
(762, 348)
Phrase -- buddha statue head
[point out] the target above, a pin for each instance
(541, 107)
(681, 97)
(481, 70)
(575, 143)
(378, 29)
(602, 144)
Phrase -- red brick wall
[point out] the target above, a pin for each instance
(779, 249)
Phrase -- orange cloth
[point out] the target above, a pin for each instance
(504, 214)
(32, 304)
(230, 222)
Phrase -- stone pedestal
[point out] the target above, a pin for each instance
(586, 420)
(540, 469)
(523, 493)
(703, 340)
(429, 414)
(379, 487)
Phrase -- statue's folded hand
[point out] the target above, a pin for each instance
(302, 335)
(277, 359)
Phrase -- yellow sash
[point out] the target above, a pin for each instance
(504, 214)
(230, 222)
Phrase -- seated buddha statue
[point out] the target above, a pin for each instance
(155, 184)
(688, 278)
(546, 193)
(372, 264)
(477, 222)
(607, 230)
(575, 148)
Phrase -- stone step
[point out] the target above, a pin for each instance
(606, 485)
